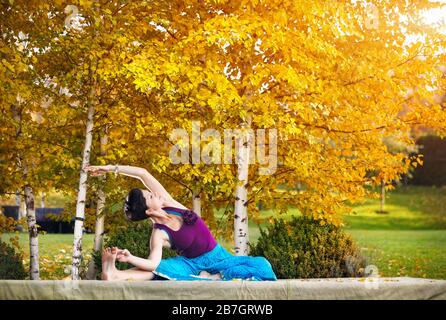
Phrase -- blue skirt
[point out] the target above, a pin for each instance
(218, 260)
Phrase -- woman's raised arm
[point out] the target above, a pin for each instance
(141, 174)
(135, 172)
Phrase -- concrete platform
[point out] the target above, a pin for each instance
(314, 289)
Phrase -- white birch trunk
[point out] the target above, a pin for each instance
(99, 227)
(98, 233)
(196, 202)
(33, 234)
(18, 201)
(383, 196)
(42, 200)
(21, 204)
(34, 273)
(81, 196)
(241, 236)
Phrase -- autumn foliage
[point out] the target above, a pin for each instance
(334, 78)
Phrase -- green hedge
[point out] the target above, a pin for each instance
(11, 265)
(303, 248)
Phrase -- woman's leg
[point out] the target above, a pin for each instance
(230, 267)
(247, 267)
(110, 273)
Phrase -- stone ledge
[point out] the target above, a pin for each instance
(293, 289)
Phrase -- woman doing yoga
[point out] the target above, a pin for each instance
(174, 226)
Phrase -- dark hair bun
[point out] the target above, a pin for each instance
(135, 206)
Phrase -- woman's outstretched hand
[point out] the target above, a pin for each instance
(97, 170)
(122, 255)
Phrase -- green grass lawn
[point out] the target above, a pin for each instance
(410, 240)
(414, 253)
(408, 208)
(50, 244)
(55, 252)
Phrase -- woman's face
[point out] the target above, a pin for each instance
(153, 201)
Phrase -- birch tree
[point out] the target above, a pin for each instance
(29, 198)
(241, 234)
(80, 204)
(33, 233)
(100, 216)
(18, 156)
(196, 202)
(85, 53)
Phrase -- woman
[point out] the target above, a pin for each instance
(174, 226)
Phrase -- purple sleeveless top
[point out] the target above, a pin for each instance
(193, 238)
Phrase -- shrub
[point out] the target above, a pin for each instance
(304, 248)
(135, 237)
(11, 265)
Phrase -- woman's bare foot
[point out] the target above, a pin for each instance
(205, 274)
(108, 264)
